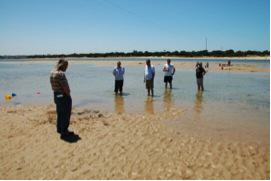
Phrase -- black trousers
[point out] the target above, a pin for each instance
(63, 110)
(118, 85)
(168, 79)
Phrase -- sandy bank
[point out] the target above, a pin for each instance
(152, 57)
(213, 66)
(113, 146)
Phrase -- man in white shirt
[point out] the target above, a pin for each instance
(149, 76)
(169, 70)
(118, 72)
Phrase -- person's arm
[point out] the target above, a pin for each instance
(144, 80)
(173, 70)
(145, 75)
(153, 73)
(114, 72)
(204, 72)
(64, 85)
(164, 69)
(66, 90)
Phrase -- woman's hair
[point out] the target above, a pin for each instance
(62, 64)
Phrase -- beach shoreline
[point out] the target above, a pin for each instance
(119, 146)
(214, 66)
(153, 57)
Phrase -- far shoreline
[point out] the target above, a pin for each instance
(267, 58)
(238, 64)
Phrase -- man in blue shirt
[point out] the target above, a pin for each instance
(118, 72)
(149, 76)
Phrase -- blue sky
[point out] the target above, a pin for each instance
(82, 26)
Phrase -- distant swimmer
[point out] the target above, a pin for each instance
(149, 77)
(200, 72)
(118, 73)
(169, 70)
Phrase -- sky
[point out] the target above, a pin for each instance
(88, 26)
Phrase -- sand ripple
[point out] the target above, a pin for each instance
(127, 146)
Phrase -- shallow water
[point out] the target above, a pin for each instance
(229, 98)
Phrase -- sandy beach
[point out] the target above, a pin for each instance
(119, 146)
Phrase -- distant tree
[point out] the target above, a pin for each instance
(181, 53)
(216, 53)
(229, 53)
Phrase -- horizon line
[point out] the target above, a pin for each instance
(133, 51)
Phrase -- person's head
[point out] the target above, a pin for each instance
(200, 64)
(168, 61)
(197, 64)
(62, 65)
(119, 64)
(148, 62)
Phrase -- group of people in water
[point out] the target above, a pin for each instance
(63, 100)
(149, 74)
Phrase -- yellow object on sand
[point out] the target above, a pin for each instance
(8, 97)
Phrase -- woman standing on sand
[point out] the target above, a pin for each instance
(62, 97)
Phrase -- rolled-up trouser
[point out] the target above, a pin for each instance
(200, 83)
(168, 79)
(149, 84)
(118, 85)
(63, 109)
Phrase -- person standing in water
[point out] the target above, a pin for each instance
(169, 70)
(118, 73)
(62, 97)
(149, 76)
(200, 72)
(207, 65)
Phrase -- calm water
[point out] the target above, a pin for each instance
(229, 97)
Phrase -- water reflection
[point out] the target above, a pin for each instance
(168, 103)
(149, 105)
(198, 102)
(119, 104)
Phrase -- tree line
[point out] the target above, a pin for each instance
(135, 53)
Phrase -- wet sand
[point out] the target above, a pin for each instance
(213, 66)
(119, 146)
(154, 57)
(183, 65)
